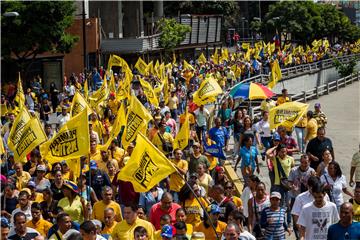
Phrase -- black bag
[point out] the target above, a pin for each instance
(257, 230)
(284, 182)
(166, 146)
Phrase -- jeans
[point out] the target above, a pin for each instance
(300, 135)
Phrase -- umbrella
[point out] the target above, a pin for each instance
(251, 91)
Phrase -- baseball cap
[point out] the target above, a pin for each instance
(275, 195)
(276, 137)
(167, 231)
(41, 168)
(213, 209)
(317, 105)
(71, 185)
(93, 165)
(31, 184)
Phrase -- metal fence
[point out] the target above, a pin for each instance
(316, 92)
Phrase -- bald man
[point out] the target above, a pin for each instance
(345, 228)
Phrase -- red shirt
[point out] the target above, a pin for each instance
(156, 212)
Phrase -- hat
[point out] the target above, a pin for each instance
(317, 105)
(194, 175)
(275, 195)
(41, 168)
(93, 165)
(69, 233)
(219, 168)
(167, 231)
(71, 185)
(31, 184)
(276, 137)
(213, 209)
(97, 223)
(197, 144)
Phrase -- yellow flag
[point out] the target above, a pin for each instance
(72, 141)
(215, 57)
(121, 91)
(26, 134)
(20, 96)
(247, 55)
(188, 66)
(174, 58)
(149, 92)
(288, 60)
(86, 89)
(100, 95)
(2, 149)
(137, 119)
(245, 45)
(202, 59)
(3, 109)
(225, 54)
(276, 74)
(115, 60)
(182, 138)
(207, 91)
(112, 87)
(118, 123)
(146, 167)
(287, 114)
(166, 90)
(78, 105)
(141, 66)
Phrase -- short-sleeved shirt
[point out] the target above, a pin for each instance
(338, 232)
(194, 162)
(219, 135)
(42, 226)
(337, 186)
(209, 231)
(299, 179)
(99, 207)
(156, 212)
(316, 147)
(201, 117)
(355, 162)
(124, 231)
(286, 164)
(176, 181)
(318, 220)
(30, 234)
(311, 128)
(194, 211)
(75, 210)
(248, 157)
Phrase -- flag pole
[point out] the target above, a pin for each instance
(197, 199)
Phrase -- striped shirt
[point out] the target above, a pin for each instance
(274, 223)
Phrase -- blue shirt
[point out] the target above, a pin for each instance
(219, 135)
(338, 232)
(248, 157)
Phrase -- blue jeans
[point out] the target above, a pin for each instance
(300, 135)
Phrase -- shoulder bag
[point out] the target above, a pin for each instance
(166, 146)
(284, 181)
(258, 231)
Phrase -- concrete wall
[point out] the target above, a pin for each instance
(308, 81)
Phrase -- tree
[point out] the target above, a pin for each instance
(345, 69)
(172, 33)
(39, 28)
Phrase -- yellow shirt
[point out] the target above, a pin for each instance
(209, 232)
(194, 211)
(237, 201)
(118, 155)
(39, 197)
(356, 209)
(173, 101)
(302, 123)
(167, 137)
(21, 181)
(75, 210)
(99, 207)
(124, 231)
(286, 164)
(42, 226)
(189, 229)
(282, 100)
(109, 230)
(114, 105)
(102, 165)
(311, 129)
(205, 182)
(176, 181)
(96, 155)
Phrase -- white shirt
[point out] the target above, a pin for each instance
(245, 196)
(27, 213)
(263, 128)
(61, 119)
(318, 220)
(201, 116)
(337, 186)
(301, 200)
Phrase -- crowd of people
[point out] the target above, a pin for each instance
(50, 201)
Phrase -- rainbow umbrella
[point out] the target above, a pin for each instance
(250, 91)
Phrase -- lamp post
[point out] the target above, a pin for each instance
(84, 37)
(257, 19)
(243, 20)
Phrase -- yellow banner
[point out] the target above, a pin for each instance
(276, 74)
(72, 141)
(78, 105)
(182, 138)
(86, 89)
(202, 59)
(20, 96)
(149, 92)
(100, 95)
(26, 134)
(147, 166)
(287, 114)
(215, 57)
(188, 66)
(3, 110)
(245, 45)
(207, 91)
(118, 123)
(141, 66)
(136, 120)
(115, 60)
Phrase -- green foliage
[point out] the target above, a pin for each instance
(307, 21)
(40, 27)
(173, 33)
(345, 69)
